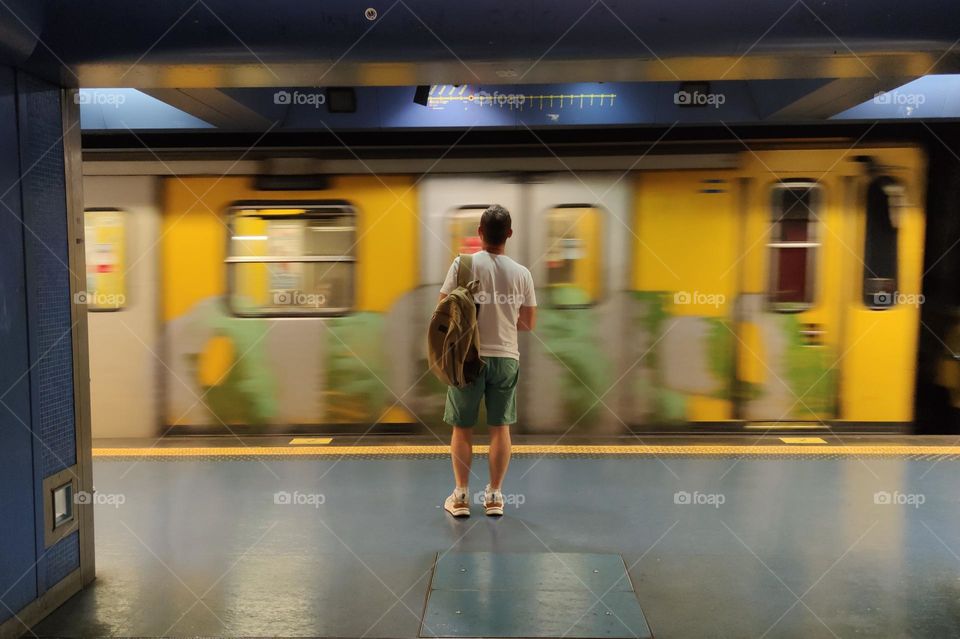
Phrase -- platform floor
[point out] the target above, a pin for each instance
(715, 545)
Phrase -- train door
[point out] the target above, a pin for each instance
(883, 306)
(683, 288)
(796, 258)
(578, 242)
(450, 208)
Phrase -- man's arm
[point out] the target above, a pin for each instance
(528, 318)
(528, 308)
(450, 282)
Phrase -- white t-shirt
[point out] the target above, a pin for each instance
(505, 286)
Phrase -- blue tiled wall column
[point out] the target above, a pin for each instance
(39, 561)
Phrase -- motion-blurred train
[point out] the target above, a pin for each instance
(771, 288)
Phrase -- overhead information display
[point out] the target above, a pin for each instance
(466, 96)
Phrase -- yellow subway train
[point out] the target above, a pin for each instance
(776, 287)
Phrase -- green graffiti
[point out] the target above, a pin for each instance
(666, 406)
(809, 372)
(356, 369)
(568, 329)
(655, 313)
(671, 406)
(247, 395)
(721, 351)
(567, 296)
(431, 394)
(720, 355)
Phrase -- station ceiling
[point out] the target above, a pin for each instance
(266, 43)
(220, 61)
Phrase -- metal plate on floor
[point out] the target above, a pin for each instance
(588, 572)
(533, 613)
(487, 594)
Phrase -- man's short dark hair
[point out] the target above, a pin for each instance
(496, 224)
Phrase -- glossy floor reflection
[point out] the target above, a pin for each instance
(715, 547)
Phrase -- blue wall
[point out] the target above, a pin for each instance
(18, 575)
(37, 425)
(46, 258)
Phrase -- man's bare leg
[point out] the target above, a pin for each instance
(461, 451)
(499, 455)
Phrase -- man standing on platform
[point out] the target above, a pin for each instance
(506, 304)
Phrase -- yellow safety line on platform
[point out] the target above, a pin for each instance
(526, 449)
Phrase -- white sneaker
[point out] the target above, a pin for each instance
(493, 502)
(457, 505)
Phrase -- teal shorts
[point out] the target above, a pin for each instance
(497, 385)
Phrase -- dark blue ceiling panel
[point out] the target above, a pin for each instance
(277, 30)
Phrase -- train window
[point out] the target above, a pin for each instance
(291, 260)
(105, 233)
(463, 229)
(885, 199)
(573, 256)
(793, 245)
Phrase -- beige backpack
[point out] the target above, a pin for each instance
(453, 339)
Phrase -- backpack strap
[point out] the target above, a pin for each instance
(465, 270)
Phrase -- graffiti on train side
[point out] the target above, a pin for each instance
(631, 361)
(221, 371)
(567, 330)
(686, 363)
(690, 370)
(355, 390)
(227, 370)
(811, 373)
(245, 393)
